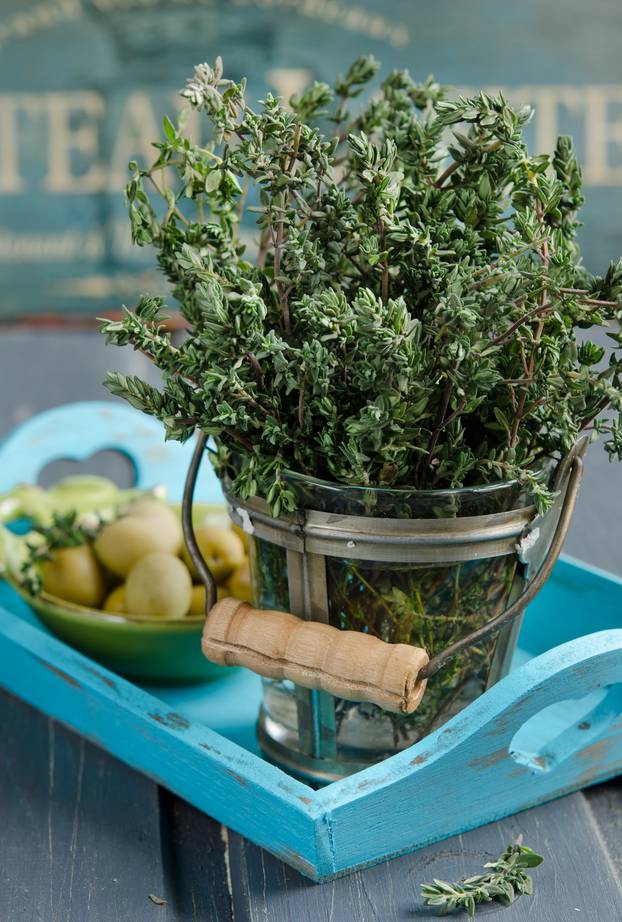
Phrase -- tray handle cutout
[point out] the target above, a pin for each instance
(78, 431)
(564, 728)
(115, 464)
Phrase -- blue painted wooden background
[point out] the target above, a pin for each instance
(84, 84)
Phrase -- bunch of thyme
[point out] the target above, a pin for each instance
(409, 312)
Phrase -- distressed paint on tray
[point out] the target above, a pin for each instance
(387, 809)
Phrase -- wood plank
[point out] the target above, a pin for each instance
(576, 880)
(80, 832)
(605, 803)
(194, 849)
(85, 837)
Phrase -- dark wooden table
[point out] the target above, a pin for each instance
(83, 838)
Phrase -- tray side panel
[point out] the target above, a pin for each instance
(234, 786)
(464, 775)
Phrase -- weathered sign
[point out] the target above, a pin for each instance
(84, 85)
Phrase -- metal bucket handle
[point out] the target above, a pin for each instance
(205, 574)
(570, 468)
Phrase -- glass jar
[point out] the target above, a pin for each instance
(427, 605)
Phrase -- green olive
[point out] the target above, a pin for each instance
(148, 507)
(221, 548)
(158, 585)
(75, 575)
(83, 491)
(244, 537)
(123, 542)
(115, 602)
(197, 602)
(239, 583)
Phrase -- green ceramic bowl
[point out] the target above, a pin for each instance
(152, 650)
(155, 650)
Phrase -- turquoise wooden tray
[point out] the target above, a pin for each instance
(552, 726)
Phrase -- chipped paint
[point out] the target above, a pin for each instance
(449, 731)
(597, 751)
(597, 773)
(171, 720)
(209, 748)
(287, 788)
(581, 670)
(367, 783)
(518, 772)
(224, 835)
(294, 858)
(104, 678)
(237, 777)
(489, 759)
(507, 719)
(61, 674)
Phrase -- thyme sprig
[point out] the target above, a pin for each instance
(411, 312)
(66, 530)
(505, 881)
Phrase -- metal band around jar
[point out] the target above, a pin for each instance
(393, 540)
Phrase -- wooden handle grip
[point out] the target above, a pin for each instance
(348, 664)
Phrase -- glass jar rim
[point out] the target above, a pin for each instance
(481, 489)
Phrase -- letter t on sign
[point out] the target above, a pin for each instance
(66, 140)
(11, 105)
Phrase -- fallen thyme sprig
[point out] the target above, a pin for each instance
(505, 882)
